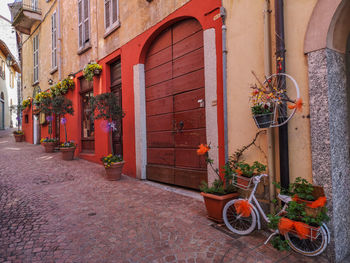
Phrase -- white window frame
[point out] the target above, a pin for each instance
(54, 40)
(83, 40)
(36, 59)
(35, 4)
(112, 24)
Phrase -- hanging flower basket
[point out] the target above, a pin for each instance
(91, 70)
(263, 121)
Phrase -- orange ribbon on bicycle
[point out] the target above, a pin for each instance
(243, 208)
(286, 225)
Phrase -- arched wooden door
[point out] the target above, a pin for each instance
(175, 106)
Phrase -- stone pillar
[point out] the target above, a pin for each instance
(330, 142)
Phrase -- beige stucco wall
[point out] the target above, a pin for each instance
(245, 41)
(135, 17)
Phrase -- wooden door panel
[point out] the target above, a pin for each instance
(160, 140)
(161, 42)
(188, 45)
(161, 106)
(160, 90)
(159, 58)
(190, 81)
(188, 63)
(188, 100)
(185, 28)
(189, 158)
(160, 173)
(159, 74)
(163, 156)
(190, 139)
(160, 123)
(193, 119)
(189, 178)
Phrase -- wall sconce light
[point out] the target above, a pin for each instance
(71, 75)
(50, 81)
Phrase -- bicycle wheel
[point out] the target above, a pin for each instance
(236, 223)
(308, 247)
(285, 94)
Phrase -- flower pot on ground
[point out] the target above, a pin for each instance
(215, 204)
(49, 144)
(19, 136)
(67, 149)
(113, 166)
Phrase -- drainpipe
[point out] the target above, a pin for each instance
(283, 130)
(59, 40)
(224, 77)
(271, 131)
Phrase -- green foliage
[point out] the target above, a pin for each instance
(62, 87)
(274, 219)
(89, 69)
(280, 243)
(301, 187)
(18, 132)
(250, 170)
(111, 159)
(106, 106)
(61, 105)
(261, 109)
(218, 188)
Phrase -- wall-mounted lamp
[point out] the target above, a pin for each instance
(50, 81)
(71, 75)
(9, 61)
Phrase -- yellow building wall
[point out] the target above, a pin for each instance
(245, 41)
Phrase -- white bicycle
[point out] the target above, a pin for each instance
(315, 243)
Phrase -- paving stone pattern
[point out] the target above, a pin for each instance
(59, 211)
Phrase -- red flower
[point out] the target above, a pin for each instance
(203, 149)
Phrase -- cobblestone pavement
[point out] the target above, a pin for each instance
(58, 211)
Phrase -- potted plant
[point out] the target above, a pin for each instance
(62, 106)
(244, 172)
(49, 144)
(26, 103)
(91, 70)
(113, 165)
(296, 219)
(262, 109)
(62, 87)
(106, 106)
(19, 136)
(220, 192)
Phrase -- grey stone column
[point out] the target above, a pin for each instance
(329, 113)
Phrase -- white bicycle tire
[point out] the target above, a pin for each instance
(230, 227)
(317, 252)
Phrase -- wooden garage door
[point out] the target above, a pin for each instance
(175, 118)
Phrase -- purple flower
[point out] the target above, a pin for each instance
(49, 118)
(112, 126)
(63, 121)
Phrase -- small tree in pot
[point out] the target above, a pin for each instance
(106, 106)
(62, 106)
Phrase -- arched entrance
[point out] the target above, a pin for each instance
(175, 105)
(327, 48)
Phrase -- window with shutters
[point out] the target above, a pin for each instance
(36, 59)
(83, 23)
(35, 4)
(53, 41)
(111, 14)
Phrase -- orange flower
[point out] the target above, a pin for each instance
(203, 149)
(298, 105)
(239, 171)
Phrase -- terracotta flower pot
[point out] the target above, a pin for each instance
(19, 137)
(215, 204)
(49, 146)
(67, 153)
(114, 172)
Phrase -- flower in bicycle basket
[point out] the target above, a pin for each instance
(203, 149)
(238, 171)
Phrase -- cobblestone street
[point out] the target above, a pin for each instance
(59, 211)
